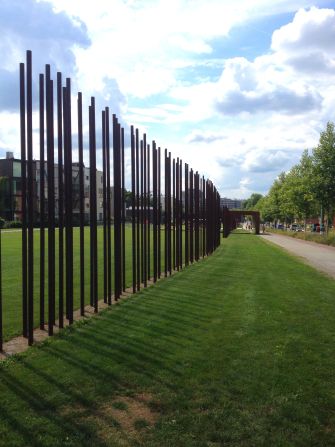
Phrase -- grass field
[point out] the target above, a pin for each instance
(12, 273)
(236, 350)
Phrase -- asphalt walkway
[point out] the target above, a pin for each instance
(321, 257)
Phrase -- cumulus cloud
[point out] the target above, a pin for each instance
(307, 43)
(51, 36)
(266, 161)
(204, 137)
(281, 99)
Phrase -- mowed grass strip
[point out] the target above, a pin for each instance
(12, 273)
(236, 350)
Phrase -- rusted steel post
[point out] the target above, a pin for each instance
(68, 200)
(154, 187)
(159, 213)
(196, 220)
(104, 204)
(142, 210)
(60, 202)
(186, 232)
(138, 257)
(123, 214)
(30, 192)
(1, 328)
(165, 214)
(109, 217)
(24, 199)
(145, 213)
(149, 215)
(42, 203)
(191, 217)
(81, 204)
(93, 210)
(133, 204)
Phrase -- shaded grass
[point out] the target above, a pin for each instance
(12, 273)
(236, 350)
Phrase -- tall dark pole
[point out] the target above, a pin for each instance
(145, 197)
(186, 216)
(93, 209)
(174, 214)
(159, 213)
(142, 209)
(177, 215)
(154, 188)
(169, 215)
(196, 220)
(133, 204)
(117, 208)
(81, 204)
(42, 204)
(108, 198)
(51, 200)
(149, 214)
(191, 216)
(165, 214)
(104, 202)
(68, 203)
(30, 192)
(181, 214)
(203, 217)
(138, 265)
(123, 215)
(24, 200)
(1, 330)
(60, 202)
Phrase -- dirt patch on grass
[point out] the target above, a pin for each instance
(122, 420)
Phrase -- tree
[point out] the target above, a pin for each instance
(298, 189)
(324, 170)
(250, 203)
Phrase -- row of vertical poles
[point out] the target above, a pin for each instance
(179, 218)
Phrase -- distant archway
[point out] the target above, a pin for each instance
(231, 217)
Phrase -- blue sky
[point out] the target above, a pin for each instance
(237, 89)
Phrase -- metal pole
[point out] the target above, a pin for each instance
(60, 203)
(133, 202)
(1, 329)
(154, 187)
(145, 185)
(30, 192)
(24, 199)
(104, 199)
(81, 204)
(109, 237)
(123, 217)
(42, 204)
(138, 265)
(159, 214)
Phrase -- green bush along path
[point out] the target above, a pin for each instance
(236, 350)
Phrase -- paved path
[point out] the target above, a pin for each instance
(321, 257)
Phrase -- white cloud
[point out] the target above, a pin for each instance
(240, 127)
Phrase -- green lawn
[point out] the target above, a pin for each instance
(236, 350)
(12, 274)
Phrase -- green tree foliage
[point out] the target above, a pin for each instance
(250, 203)
(324, 169)
(308, 186)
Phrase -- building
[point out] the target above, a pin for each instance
(11, 193)
(232, 204)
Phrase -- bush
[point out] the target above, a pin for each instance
(308, 236)
(14, 224)
(2, 222)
